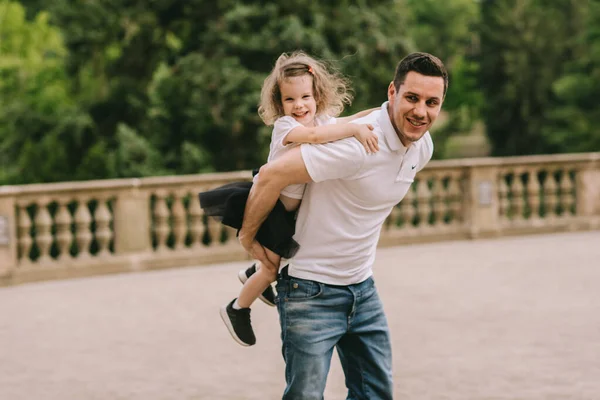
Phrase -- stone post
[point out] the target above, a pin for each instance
(588, 189)
(8, 231)
(132, 220)
(481, 207)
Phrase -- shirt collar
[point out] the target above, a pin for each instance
(389, 133)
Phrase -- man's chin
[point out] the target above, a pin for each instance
(414, 136)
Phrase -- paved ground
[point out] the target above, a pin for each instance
(515, 318)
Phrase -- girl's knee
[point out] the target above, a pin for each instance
(269, 270)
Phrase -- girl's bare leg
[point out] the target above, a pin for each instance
(258, 282)
(255, 285)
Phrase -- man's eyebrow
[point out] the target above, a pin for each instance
(418, 95)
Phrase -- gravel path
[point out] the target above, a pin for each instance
(513, 318)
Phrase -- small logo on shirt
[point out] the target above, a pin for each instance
(413, 167)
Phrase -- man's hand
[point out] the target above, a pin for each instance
(260, 253)
(367, 138)
(273, 177)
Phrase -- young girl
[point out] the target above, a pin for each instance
(300, 97)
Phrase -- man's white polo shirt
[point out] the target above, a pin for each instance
(351, 195)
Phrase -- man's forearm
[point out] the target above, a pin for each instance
(272, 179)
(261, 200)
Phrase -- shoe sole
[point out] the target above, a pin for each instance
(243, 278)
(225, 318)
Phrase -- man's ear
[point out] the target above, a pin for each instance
(391, 91)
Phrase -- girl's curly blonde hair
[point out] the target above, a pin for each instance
(330, 89)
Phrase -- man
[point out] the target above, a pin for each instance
(326, 295)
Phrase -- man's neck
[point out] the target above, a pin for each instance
(407, 145)
(396, 128)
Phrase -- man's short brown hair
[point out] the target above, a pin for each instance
(422, 63)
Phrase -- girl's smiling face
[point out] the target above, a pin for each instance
(297, 98)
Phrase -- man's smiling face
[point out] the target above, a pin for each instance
(415, 105)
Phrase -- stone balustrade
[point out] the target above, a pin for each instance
(72, 229)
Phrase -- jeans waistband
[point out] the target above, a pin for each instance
(284, 274)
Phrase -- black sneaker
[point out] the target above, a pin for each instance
(268, 296)
(238, 324)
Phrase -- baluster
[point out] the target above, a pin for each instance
(533, 194)
(504, 202)
(25, 241)
(83, 232)
(453, 200)
(214, 231)
(550, 195)
(437, 201)
(102, 216)
(573, 193)
(43, 227)
(64, 236)
(392, 219)
(196, 225)
(179, 220)
(424, 208)
(566, 193)
(231, 236)
(161, 220)
(407, 210)
(517, 190)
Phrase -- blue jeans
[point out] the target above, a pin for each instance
(315, 318)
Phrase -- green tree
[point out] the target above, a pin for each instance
(449, 31)
(575, 118)
(523, 47)
(227, 49)
(216, 55)
(41, 127)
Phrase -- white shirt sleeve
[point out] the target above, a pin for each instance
(426, 151)
(325, 120)
(335, 160)
(281, 128)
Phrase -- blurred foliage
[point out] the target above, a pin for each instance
(574, 121)
(451, 34)
(42, 129)
(537, 69)
(104, 89)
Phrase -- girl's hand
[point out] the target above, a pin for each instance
(367, 138)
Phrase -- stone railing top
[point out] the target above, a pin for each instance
(115, 185)
(103, 185)
(515, 160)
